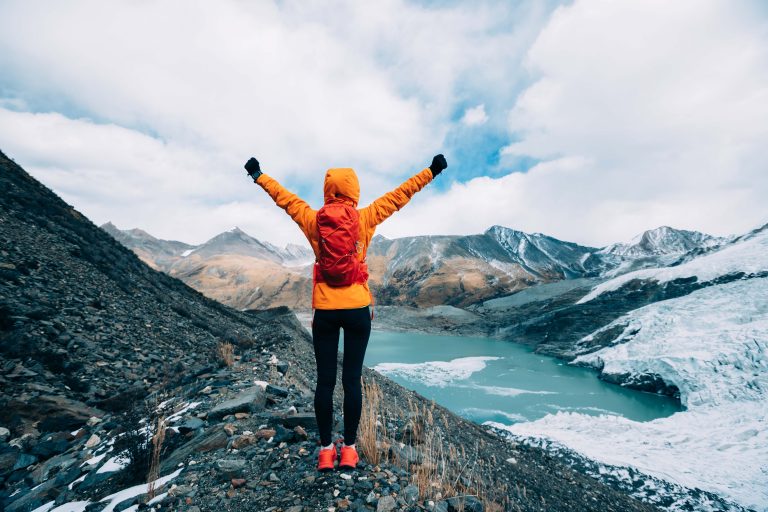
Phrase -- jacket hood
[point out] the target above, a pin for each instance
(341, 183)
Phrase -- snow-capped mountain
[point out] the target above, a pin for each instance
(662, 241)
(238, 242)
(418, 271)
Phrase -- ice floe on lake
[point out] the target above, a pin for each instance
(436, 373)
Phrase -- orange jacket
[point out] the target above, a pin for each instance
(342, 183)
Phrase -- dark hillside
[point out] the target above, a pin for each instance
(82, 317)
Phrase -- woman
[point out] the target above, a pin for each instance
(341, 298)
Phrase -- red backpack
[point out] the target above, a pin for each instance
(338, 225)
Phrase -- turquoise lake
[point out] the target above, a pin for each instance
(491, 380)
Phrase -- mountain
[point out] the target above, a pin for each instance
(419, 271)
(461, 270)
(159, 254)
(662, 241)
(232, 267)
(105, 359)
(237, 242)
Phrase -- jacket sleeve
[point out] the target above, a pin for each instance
(293, 205)
(379, 210)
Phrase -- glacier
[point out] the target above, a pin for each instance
(713, 345)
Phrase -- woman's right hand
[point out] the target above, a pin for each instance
(253, 168)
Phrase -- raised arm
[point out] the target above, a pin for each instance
(379, 210)
(293, 205)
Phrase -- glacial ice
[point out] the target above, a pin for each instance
(713, 345)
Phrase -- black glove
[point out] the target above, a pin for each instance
(253, 168)
(438, 164)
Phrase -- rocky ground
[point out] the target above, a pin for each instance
(92, 342)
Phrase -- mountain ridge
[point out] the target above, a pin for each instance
(417, 271)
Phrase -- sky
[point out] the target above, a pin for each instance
(588, 120)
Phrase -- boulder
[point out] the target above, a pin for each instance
(250, 400)
(231, 468)
(213, 439)
(303, 419)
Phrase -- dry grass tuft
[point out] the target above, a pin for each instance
(154, 466)
(372, 430)
(226, 353)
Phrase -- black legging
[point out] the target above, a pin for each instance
(325, 337)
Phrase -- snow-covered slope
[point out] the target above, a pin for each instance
(748, 256)
(713, 345)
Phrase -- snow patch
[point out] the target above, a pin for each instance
(116, 463)
(137, 490)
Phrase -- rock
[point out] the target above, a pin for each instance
(295, 508)
(441, 506)
(190, 425)
(283, 435)
(34, 498)
(51, 445)
(231, 468)
(54, 413)
(277, 390)
(411, 494)
(4, 434)
(92, 441)
(300, 432)
(464, 504)
(230, 429)
(8, 456)
(265, 433)
(24, 460)
(238, 482)
(371, 498)
(58, 465)
(123, 400)
(386, 504)
(250, 400)
(302, 419)
(273, 477)
(243, 440)
(205, 442)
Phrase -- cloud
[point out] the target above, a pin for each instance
(642, 114)
(114, 173)
(301, 85)
(611, 117)
(475, 116)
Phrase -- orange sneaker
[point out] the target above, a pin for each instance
(349, 457)
(326, 458)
